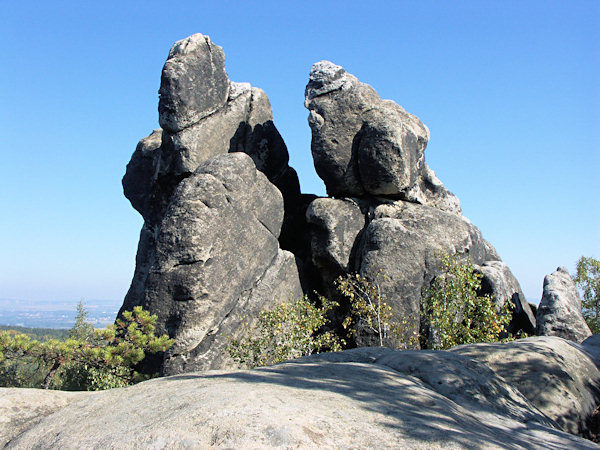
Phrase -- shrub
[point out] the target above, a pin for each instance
(455, 313)
(587, 279)
(287, 331)
(88, 360)
(371, 318)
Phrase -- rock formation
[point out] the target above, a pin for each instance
(227, 232)
(208, 257)
(366, 398)
(559, 312)
(391, 214)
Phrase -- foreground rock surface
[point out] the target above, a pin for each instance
(363, 398)
(559, 312)
(554, 374)
(21, 409)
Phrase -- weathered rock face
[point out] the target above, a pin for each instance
(555, 375)
(203, 115)
(193, 84)
(499, 281)
(216, 245)
(208, 256)
(559, 312)
(363, 145)
(21, 409)
(405, 241)
(368, 398)
(398, 239)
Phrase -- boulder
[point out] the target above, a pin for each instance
(404, 241)
(193, 83)
(367, 398)
(138, 181)
(559, 312)
(217, 261)
(363, 145)
(499, 282)
(555, 375)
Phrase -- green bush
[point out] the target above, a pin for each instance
(587, 279)
(287, 331)
(88, 360)
(455, 313)
(371, 319)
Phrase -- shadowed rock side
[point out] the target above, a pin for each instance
(559, 312)
(392, 215)
(362, 398)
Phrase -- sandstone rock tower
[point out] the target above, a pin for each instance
(227, 232)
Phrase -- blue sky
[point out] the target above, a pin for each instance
(509, 90)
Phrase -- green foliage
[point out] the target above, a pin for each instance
(287, 331)
(455, 313)
(82, 330)
(88, 360)
(371, 316)
(588, 281)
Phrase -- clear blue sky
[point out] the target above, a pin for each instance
(509, 89)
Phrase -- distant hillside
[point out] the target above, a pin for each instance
(40, 334)
(55, 314)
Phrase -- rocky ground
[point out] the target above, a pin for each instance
(525, 394)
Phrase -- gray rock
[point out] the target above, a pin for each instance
(335, 225)
(499, 282)
(369, 398)
(204, 115)
(240, 120)
(193, 84)
(216, 245)
(592, 346)
(21, 409)
(404, 241)
(466, 381)
(430, 191)
(559, 378)
(363, 145)
(559, 312)
(139, 177)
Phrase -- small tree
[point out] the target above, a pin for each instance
(587, 279)
(371, 316)
(455, 313)
(287, 331)
(82, 330)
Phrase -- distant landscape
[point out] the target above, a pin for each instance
(57, 314)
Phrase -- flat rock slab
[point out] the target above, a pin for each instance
(336, 400)
(21, 409)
